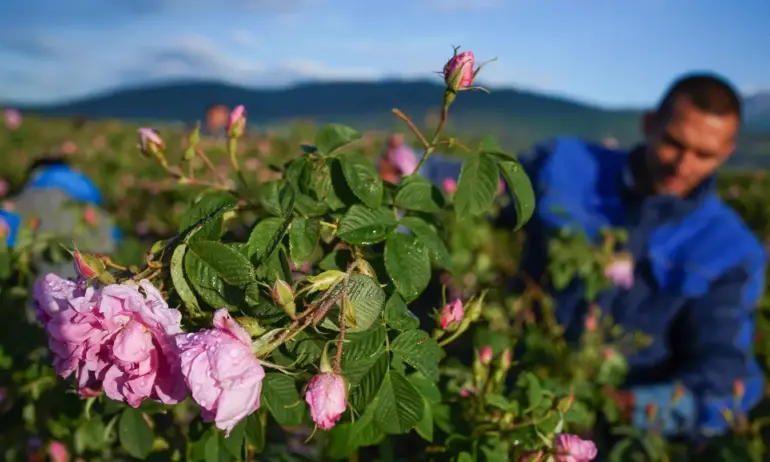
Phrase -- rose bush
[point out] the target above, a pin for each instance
(310, 310)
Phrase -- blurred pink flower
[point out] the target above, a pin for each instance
(326, 397)
(458, 71)
(12, 119)
(620, 272)
(452, 312)
(449, 185)
(69, 147)
(485, 354)
(221, 371)
(58, 452)
(571, 448)
(4, 187)
(467, 391)
(117, 336)
(150, 142)
(236, 122)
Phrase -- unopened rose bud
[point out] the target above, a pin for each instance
(591, 324)
(485, 355)
(449, 185)
(458, 71)
(739, 389)
(88, 266)
(150, 142)
(283, 295)
(651, 411)
(467, 391)
(236, 122)
(451, 314)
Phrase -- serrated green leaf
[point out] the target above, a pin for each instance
(360, 351)
(255, 431)
(364, 226)
(418, 194)
(181, 286)
(521, 189)
(278, 198)
(363, 179)
(418, 349)
(279, 394)
(303, 238)
(477, 186)
(398, 316)
(265, 238)
(425, 233)
(136, 437)
(367, 299)
(205, 281)
(230, 265)
(332, 137)
(370, 375)
(399, 405)
(408, 264)
(207, 210)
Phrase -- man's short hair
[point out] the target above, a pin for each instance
(708, 92)
(46, 160)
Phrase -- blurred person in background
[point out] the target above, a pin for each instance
(64, 203)
(696, 274)
(398, 160)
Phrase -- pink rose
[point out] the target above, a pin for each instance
(326, 397)
(452, 312)
(485, 354)
(12, 119)
(571, 448)
(449, 185)
(116, 337)
(458, 71)
(58, 452)
(621, 272)
(150, 142)
(221, 371)
(236, 122)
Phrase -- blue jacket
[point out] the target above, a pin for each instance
(698, 278)
(75, 184)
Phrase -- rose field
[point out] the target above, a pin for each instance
(273, 299)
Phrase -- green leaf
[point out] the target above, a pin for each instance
(477, 186)
(278, 198)
(428, 388)
(431, 239)
(367, 300)
(418, 349)
(399, 404)
(418, 194)
(521, 188)
(398, 316)
(265, 238)
(208, 210)
(490, 145)
(372, 373)
(363, 179)
(424, 427)
(408, 264)
(465, 457)
(332, 137)
(534, 390)
(303, 238)
(181, 286)
(364, 226)
(230, 265)
(234, 443)
(279, 394)
(205, 280)
(255, 431)
(360, 351)
(136, 437)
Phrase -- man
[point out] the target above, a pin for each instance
(66, 204)
(698, 271)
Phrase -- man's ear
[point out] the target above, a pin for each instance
(648, 123)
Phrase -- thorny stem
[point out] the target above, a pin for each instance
(429, 146)
(341, 339)
(412, 127)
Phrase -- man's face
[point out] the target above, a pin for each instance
(687, 148)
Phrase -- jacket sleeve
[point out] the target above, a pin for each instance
(718, 330)
(9, 227)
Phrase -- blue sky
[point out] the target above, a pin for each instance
(611, 52)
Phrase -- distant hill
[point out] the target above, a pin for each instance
(757, 110)
(517, 117)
